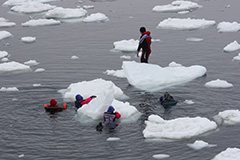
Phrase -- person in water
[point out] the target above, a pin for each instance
(53, 103)
(80, 101)
(144, 44)
(53, 106)
(109, 119)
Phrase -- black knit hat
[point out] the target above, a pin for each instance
(142, 29)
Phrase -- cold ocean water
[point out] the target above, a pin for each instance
(28, 132)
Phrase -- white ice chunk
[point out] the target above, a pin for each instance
(32, 7)
(156, 77)
(4, 23)
(193, 39)
(130, 45)
(28, 39)
(113, 139)
(9, 89)
(96, 17)
(237, 58)
(231, 47)
(89, 88)
(36, 85)
(228, 27)
(177, 129)
(40, 22)
(199, 144)
(39, 70)
(3, 54)
(13, 66)
(21, 2)
(88, 6)
(160, 156)
(218, 84)
(185, 24)
(228, 154)
(74, 57)
(5, 59)
(64, 13)
(189, 102)
(229, 117)
(176, 6)
(4, 34)
(125, 57)
(116, 73)
(31, 63)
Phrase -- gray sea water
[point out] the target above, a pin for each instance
(27, 130)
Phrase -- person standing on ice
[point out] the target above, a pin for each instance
(80, 101)
(144, 44)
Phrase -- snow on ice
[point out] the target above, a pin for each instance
(4, 23)
(13, 66)
(3, 54)
(237, 58)
(130, 45)
(160, 156)
(63, 13)
(31, 63)
(228, 27)
(231, 47)
(28, 39)
(157, 77)
(40, 22)
(199, 144)
(4, 34)
(22, 2)
(106, 93)
(218, 84)
(228, 117)
(228, 154)
(185, 24)
(9, 89)
(32, 7)
(176, 129)
(96, 17)
(176, 6)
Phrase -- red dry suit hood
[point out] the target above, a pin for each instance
(53, 102)
(147, 32)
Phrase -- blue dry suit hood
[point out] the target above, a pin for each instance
(110, 109)
(79, 97)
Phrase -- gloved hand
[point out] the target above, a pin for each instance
(93, 97)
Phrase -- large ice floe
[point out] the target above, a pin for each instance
(4, 34)
(22, 2)
(4, 23)
(13, 66)
(157, 77)
(177, 129)
(228, 27)
(64, 13)
(231, 47)
(130, 45)
(41, 22)
(218, 84)
(228, 154)
(228, 117)
(32, 7)
(107, 93)
(185, 24)
(176, 6)
(96, 17)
